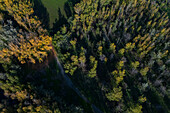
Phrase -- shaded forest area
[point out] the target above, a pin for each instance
(84, 56)
(60, 11)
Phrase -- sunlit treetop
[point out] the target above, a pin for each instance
(33, 41)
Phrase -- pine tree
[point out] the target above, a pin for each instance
(122, 37)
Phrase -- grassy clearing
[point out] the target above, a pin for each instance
(53, 6)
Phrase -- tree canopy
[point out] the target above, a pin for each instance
(110, 56)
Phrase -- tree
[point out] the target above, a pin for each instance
(122, 37)
(32, 41)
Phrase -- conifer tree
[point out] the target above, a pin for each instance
(120, 37)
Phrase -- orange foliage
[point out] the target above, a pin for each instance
(32, 44)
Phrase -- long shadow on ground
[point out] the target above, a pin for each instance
(41, 12)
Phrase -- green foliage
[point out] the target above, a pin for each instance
(123, 37)
(142, 99)
(135, 64)
(136, 109)
(115, 95)
(93, 62)
(116, 51)
(144, 71)
(23, 40)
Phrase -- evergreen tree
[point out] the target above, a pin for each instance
(119, 41)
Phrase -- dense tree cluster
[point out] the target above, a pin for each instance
(124, 47)
(31, 42)
(116, 52)
(22, 40)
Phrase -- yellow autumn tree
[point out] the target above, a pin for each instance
(32, 40)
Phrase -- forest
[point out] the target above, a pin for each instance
(84, 56)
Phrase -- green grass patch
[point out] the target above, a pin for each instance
(53, 7)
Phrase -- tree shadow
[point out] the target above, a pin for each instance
(63, 20)
(91, 89)
(48, 89)
(58, 23)
(41, 12)
(73, 1)
(69, 7)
